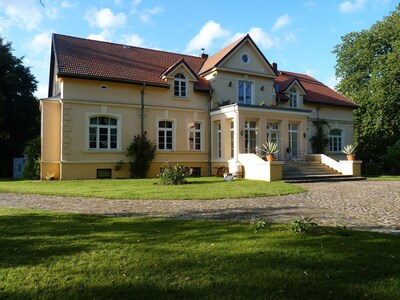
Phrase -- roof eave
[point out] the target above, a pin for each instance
(349, 105)
(109, 79)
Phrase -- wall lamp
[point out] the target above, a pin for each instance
(230, 83)
(304, 135)
(262, 87)
(241, 131)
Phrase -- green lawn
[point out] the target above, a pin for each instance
(196, 188)
(66, 256)
(384, 178)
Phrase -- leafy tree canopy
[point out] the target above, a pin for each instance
(368, 63)
(19, 109)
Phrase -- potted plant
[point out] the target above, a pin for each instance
(270, 148)
(349, 150)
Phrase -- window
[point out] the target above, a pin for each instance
(250, 136)
(165, 135)
(104, 173)
(103, 133)
(245, 92)
(245, 59)
(293, 98)
(335, 140)
(194, 136)
(219, 140)
(180, 85)
(232, 139)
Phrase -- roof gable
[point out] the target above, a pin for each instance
(180, 64)
(220, 58)
(316, 91)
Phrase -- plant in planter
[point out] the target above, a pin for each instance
(350, 151)
(270, 148)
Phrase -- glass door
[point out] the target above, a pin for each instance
(293, 140)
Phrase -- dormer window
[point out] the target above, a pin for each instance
(293, 101)
(180, 84)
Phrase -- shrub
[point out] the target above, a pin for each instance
(32, 164)
(173, 175)
(320, 140)
(303, 225)
(142, 150)
(259, 225)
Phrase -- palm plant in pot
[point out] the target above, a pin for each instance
(270, 148)
(350, 151)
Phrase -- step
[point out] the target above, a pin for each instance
(310, 179)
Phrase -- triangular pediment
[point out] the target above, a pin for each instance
(242, 56)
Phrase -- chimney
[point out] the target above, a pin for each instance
(203, 55)
(275, 67)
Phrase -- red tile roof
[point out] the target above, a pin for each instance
(77, 57)
(317, 92)
(83, 58)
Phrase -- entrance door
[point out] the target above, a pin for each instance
(293, 140)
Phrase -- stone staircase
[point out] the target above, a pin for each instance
(308, 171)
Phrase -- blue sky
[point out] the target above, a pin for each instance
(299, 35)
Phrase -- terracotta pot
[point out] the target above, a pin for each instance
(350, 157)
(270, 157)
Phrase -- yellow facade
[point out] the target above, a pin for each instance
(223, 124)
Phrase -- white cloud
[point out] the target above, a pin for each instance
(40, 43)
(136, 2)
(132, 40)
(281, 22)
(352, 6)
(105, 18)
(42, 90)
(66, 4)
(210, 32)
(102, 36)
(22, 13)
(309, 3)
(262, 38)
(146, 14)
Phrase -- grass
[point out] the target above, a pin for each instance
(384, 178)
(66, 256)
(197, 188)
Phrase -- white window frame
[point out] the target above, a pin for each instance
(247, 133)
(293, 98)
(245, 82)
(339, 140)
(88, 116)
(165, 130)
(180, 82)
(192, 146)
(232, 136)
(218, 130)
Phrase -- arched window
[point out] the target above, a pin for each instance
(194, 136)
(335, 140)
(103, 133)
(165, 135)
(180, 83)
(293, 98)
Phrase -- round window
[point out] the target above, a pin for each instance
(245, 58)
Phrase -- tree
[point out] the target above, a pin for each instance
(19, 109)
(368, 65)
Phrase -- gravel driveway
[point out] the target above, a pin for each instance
(370, 205)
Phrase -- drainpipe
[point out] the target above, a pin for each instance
(142, 110)
(209, 131)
